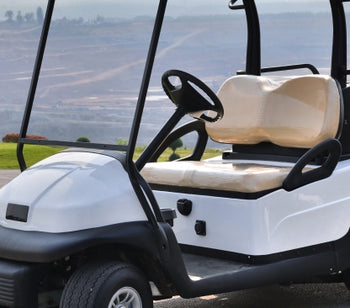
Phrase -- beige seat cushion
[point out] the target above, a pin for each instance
(217, 175)
(297, 112)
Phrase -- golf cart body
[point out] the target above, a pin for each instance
(269, 210)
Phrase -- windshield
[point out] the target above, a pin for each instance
(91, 72)
(19, 35)
(94, 62)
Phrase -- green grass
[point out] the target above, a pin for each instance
(35, 153)
(32, 154)
(183, 152)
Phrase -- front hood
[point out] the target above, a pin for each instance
(72, 191)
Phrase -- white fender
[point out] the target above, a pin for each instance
(72, 191)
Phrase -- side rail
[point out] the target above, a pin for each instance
(253, 57)
(34, 83)
(271, 69)
(339, 69)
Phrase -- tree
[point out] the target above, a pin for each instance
(175, 145)
(19, 17)
(39, 15)
(174, 156)
(83, 139)
(29, 17)
(100, 19)
(9, 16)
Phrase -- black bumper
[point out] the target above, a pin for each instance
(19, 284)
(43, 247)
(26, 256)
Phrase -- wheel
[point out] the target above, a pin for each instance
(107, 285)
(192, 96)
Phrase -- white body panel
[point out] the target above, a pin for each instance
(280, 221)
(72, 191)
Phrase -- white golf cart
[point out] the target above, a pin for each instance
(271, 210)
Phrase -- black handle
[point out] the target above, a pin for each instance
(297, 178)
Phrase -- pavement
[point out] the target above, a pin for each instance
(294, 296)
(7, 175)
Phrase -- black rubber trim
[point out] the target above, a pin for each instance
(258, 259)
(212, 192)
(31, 246)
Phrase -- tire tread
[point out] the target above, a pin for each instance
(83, 286)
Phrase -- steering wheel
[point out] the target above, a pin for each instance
(186, 96)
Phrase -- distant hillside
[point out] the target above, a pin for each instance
(92, 70)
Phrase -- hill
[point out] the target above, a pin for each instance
(92, 70)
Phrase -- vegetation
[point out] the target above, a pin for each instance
(13, 137)
(32, 153)
(35, 153)
(174, 146)
(183, 152)
(122, 142)
(83, 139)
(26, 18)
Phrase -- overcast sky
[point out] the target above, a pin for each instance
(107, 8)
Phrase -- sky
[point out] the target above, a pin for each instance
(106, 8)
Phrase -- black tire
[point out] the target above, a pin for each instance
(95, 284)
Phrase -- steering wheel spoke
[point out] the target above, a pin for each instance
(188, 96)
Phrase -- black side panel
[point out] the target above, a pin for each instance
(44, 247)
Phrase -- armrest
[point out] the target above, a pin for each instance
(297, 178)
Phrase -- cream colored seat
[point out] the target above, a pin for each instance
(298, 112)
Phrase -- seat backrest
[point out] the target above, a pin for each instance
(295, 112)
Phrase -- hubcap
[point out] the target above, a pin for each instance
(126, 297)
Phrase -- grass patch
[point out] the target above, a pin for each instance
(35, 153)
(32, 154)
(182, 152)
